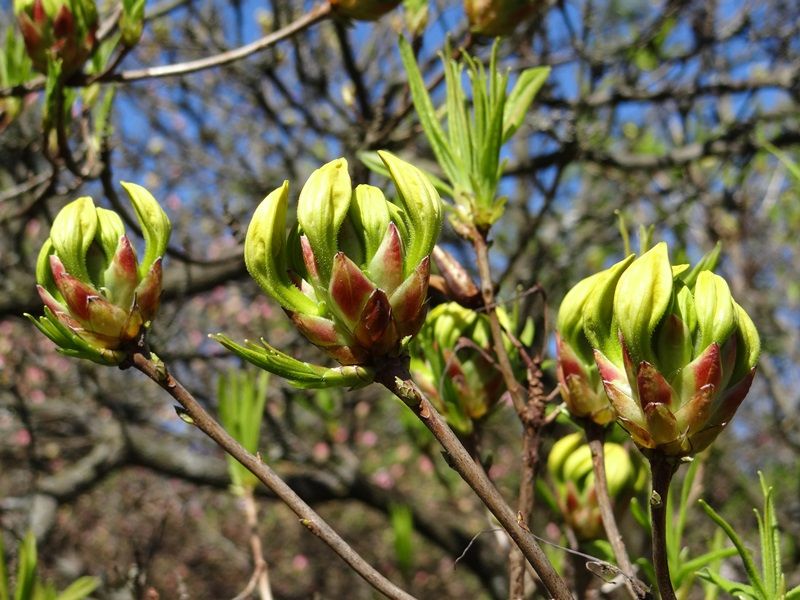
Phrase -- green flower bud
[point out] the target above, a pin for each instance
(363, 10)
(453, 362)
(99, 300)
(498, 17)
(572, 474)
(675, 353)
(353, 275)
(57, 30)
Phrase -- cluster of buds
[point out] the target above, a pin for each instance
(61, 30)
(676, 354)
(99, 299)
(453, 363)
(363, 10)
(498, 17)
(572, 473)
(353, 275)
(578, 378)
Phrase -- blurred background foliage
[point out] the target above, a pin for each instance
(663, 112)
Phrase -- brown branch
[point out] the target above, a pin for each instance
(595, 435)
(315, 15)
(662, 470)
(396, 378)
(308, 517)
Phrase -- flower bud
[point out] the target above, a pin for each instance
(59, 30)
(572, 473)
(99, 299)
(675, 352)
(498, 17)
(363, 10)
(452, 361)
(353, 275)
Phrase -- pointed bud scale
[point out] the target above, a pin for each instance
(376, 330)
(386, 266)
(98, 304)
(674, 351)
(122, 274)
(460, 286)
(349, 288)
(148, 292)
(408, 301)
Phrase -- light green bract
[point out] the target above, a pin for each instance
(352, 275)
(676, 354)
(99, 299)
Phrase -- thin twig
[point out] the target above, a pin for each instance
(308, 517)
(662, 469)
(530, 409)
(595, 435)
(310, 18)
(260, 577)
(396, 378)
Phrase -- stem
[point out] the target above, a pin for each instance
(595, 435)
(530, 409)
(308, 517)
(260, 578)
(662, 469)
(396, 378)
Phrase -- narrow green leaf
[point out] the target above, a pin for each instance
(733, 588)
(691, 567)
(4, 593)
(425, 111)
(26, 571)
(298, 373)
(522, 95)
(79, 589)
(744, 553)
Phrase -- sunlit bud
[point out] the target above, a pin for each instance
(99, 298)
(675, 352)
(498, 17)
(363, 10)
(353, 275)
(57, 30)
(572, 474)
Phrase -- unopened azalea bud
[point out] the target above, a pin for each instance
(572, 473)
(353, 275)
(99, 298)
(675, 352)
(453, 362)
(59, 30)
(363, 10)
(498, 17)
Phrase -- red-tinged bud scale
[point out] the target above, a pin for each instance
(57, 30)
